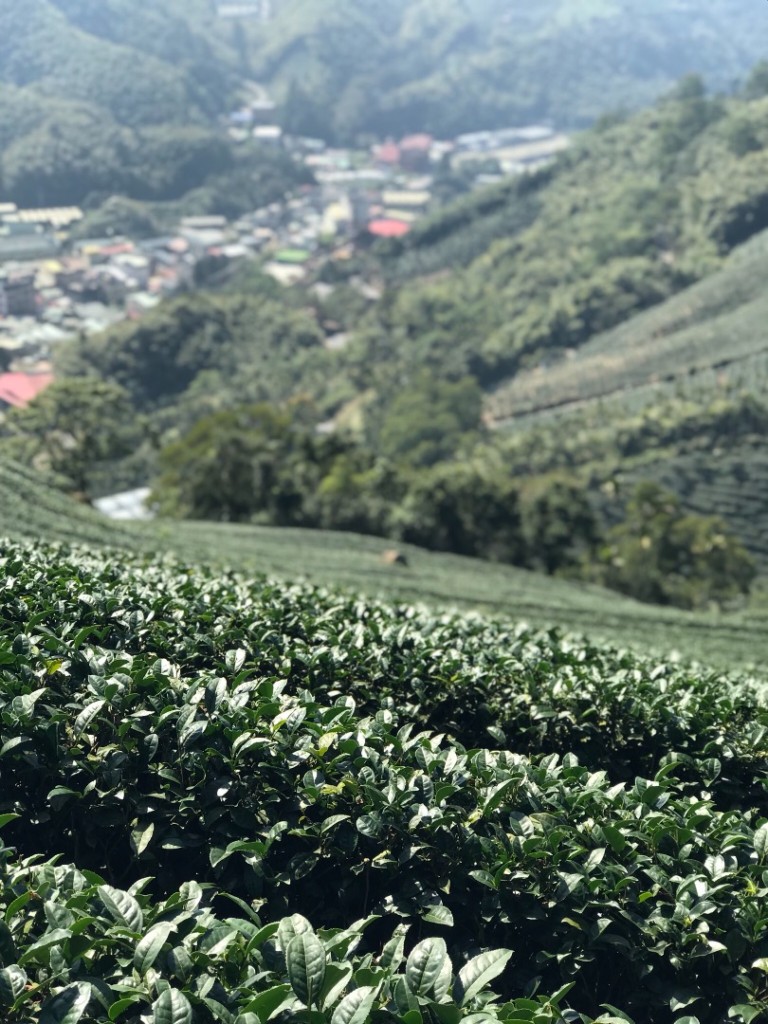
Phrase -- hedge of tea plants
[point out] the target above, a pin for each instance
(481, 822)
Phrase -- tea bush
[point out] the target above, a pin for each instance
(169, 730)
(77, 949)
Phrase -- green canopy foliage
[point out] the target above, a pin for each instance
(257, 350)
(71, 428)
(663, 555)
(98, 99)
(345, 69)
(530, 270)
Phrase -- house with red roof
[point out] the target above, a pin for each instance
(415, 152)
(18, 389)
(387, 154)
(388, 227)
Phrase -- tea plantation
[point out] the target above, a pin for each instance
(235, 800)
(30, 508)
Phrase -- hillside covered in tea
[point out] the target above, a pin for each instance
(233, 799)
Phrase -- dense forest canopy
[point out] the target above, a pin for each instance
(102, 99)
(83, 82)
(450, 66)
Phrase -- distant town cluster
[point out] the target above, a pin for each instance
(56, 284)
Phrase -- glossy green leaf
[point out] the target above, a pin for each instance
(149, 948)
(68, 1006)
(120, 1006)
(89, 713)
(141, 837)
(355, 1008)
(761, 841)
(269, 1002)
(122, 907)
(38, 949)
(172, 1007)
(305, 961)
(12, 982)
(747, 1013)
(290, 927)
(439, 915)
(479, 972)
(337, 978)
(424, 965)
(394, 951)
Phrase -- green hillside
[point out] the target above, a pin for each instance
(30, 508)
(637, 210)
(508, 305)
(453, 66)
(143, 68)
(102, 99)
(673, 395)
(710, 330)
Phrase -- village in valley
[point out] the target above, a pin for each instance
(56, 284)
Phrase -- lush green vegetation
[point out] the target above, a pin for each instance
(260, 464)
(637, 210)
(205, 351)
(174, 734)
(710, 330)
(97, 100)
(662, 554)
(673, 395)
(85, 86)
(31, 507)
(345, 69)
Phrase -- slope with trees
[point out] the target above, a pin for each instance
(448, 66)
(102, 99)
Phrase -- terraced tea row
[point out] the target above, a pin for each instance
(717, 323)
(127, 956)
(28, 508)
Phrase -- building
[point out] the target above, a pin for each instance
(58, 218)
(268, 134)
(415, 201)
(20, 242)
(238, 9)
(18, 294)
(201, 223)
(388, 227)
(415, 152)
(387, 154)
(18, 389)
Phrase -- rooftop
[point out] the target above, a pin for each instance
(18, 389)
(388, 228)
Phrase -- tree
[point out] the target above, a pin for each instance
(72, 428)
(237, 466)
(756, 86)
(662, 555)
(464, 509)
(427, 421)
(559, 525)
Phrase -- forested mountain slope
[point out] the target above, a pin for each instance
(637, 210)
(675, 394)
(102, 99)
(144, 66)
(456, 65)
